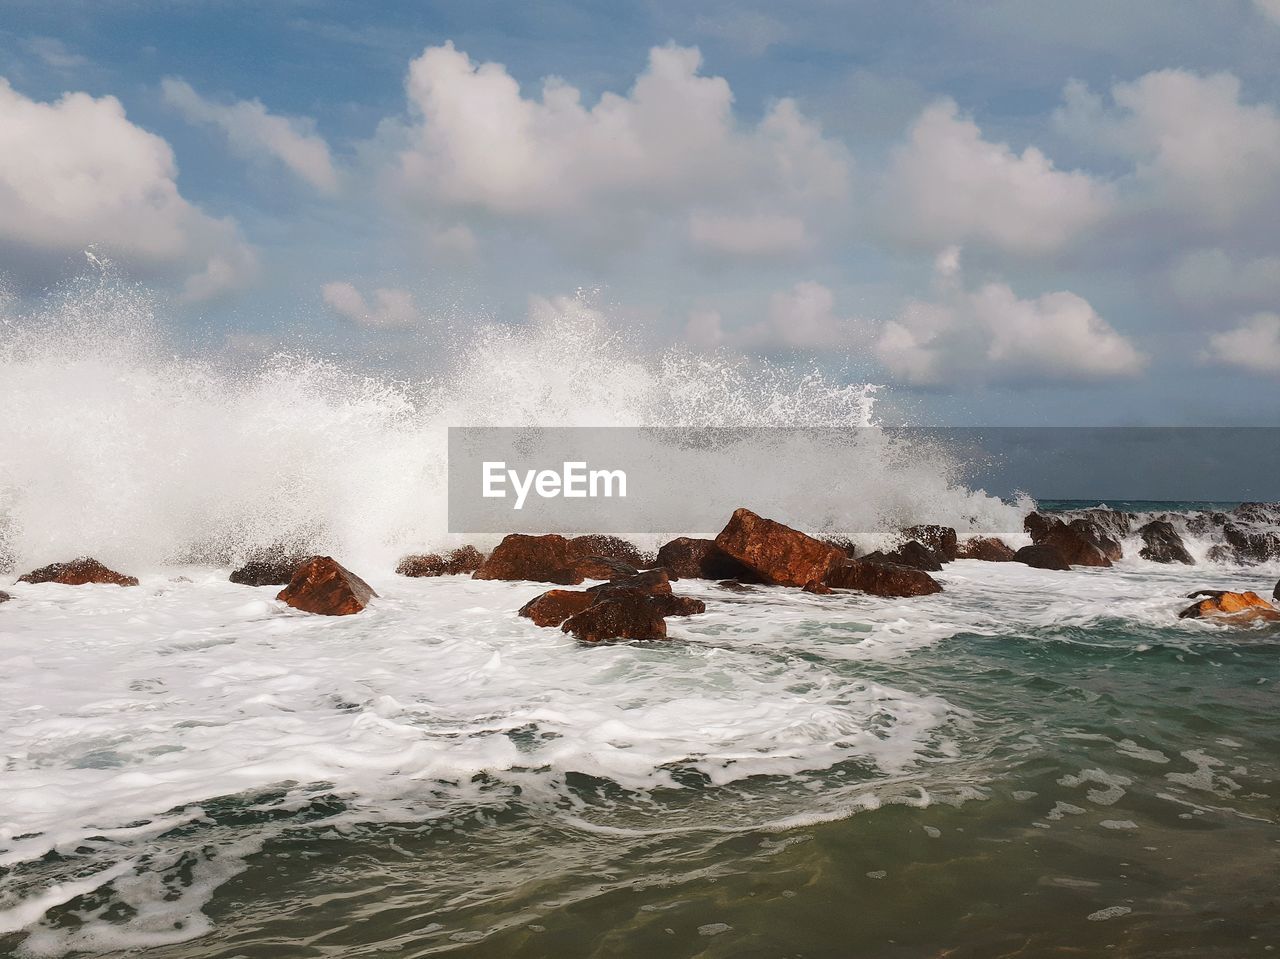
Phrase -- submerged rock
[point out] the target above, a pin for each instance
(464, 559)
(78, 572)
(989, 549)
(4, 597)
(881, 579)
(778, 554)
(556, 605)
(669, 604)
(542, 559)
(939, 539)
(618, 614)
(323, 586)
(267, 570)
(688, 558)
(1241, 607)
(1163, 544)
(1041, 557)
(622, 609)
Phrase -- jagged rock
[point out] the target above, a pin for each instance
(913, 554)
(1097, 537)
(1035, 524)
(778, 554)
(464, 559)
(817, 588)
(1041, 557)
(1114, 523)
(1252, 545)
(881, 579)
(555, 606)
(4, 597)
(688, 558)
(987, 548)
(611, 547)
(669, 604)
(1076, 546)
(1248, 607)
(602, 567)
(1163, 544)
(274, 570)
(619, 614)
(939, 539)
(842, 543)
(78, 572)
(323, 585)
(652, 582)
(540, 559)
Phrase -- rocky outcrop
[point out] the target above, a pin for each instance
(541, 559)
(271, 569)
(1077, 545)
(1239, 607)
(913, 554)
(1252, 544)
(602, 567)
(1163, 544)
(628, 608)
(843, 543)
(653, 582)
(778, 554)
(556, 605)
(324, 586)
(688, 558)
(881, 579)
(989, 549)
(1041, 557)
(626, 614)
(78, 572)
(611, 547)
(464, 559)
(941, 540)
(669, 604)
(1098, 537)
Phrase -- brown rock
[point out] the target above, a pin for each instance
(78, 572)
(817, 588)
(1041, 557)
(618, 614)
(324, 586)
(555, 606)
(913, 554)
(540, 559)
(688, 558)
(1163, 544)
(464, 559)
(270, 570)
(989, 549)
(1240, 606)
(842, 543)
(882, 579)
(736, 587)
(1035, 524)
(668, 604)
(778, 554)
(1074, 545)
(4, 597)
(602, 567)
(1099, 538)
(611, 547)
(939, 539)
(652, 582)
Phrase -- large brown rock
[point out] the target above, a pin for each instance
(881, 579)
(940, 539)
(611, 547)
(1239, 607)
(1073, 543)
(555, 606)
(324, 586)
(989, 549)
(1041, 557)
(464, 559)
(688, 558)
(1252, 544)
(267, 570)
(626, 614)
(778, 554)
(78, 572)
(652, 582)
(602, 567)
(912, 553)
(540, 559)
(1098, 537)
(1163, 544)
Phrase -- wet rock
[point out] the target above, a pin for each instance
(1036, 524)
(4, 597)
(324, 586)
(540, 559)
(1097, 537)
(267, 570)
(652, 582)
(1109, 522)
(78, 572)
(688, 558)
(881, 579)
(611, 547)
(464, 559)
(842, 543)
(778, 554)
(1241, 607)
(989, 549)
(1163, 544)
(555, 606)
(1252, 544)
(1275, 593)
(1041, 557)
(733, 586)
(1077, 547)
(602, 567)
(941, 540)
(913, 554)
(817, 588)
(669, 604)
(625, 614)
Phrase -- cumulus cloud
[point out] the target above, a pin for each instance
(77, 173)
(255, 134)
(947, 184)
(1210, 278)
(672, 141)
(391, 308)
(1252, 347)
(989, 334)
(802, 318)
(752, 235)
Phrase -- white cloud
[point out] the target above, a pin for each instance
(1269, 9)
(801, 318)
(391, 309)
(54, 53)
(255, 134)
(746, 236)
(949, 185)
(1209, 278)
(991, 335)
(1253, 346)
(76, 173)
(670, 142)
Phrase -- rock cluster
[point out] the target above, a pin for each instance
(78, 572)
(632, 608)
(464, 559)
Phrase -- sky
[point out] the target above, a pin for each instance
(1008, 213)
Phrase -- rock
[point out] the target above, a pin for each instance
(652, 582)
(881, 579)
(602, 567)
(1275, 593)
(817, 588)
(1252, 545)
(1073, 543)
(611, 547)
(913, 554)
(989, 549)
(688, 558)
(464, 559)
(1041, 557)
(78, 572)
(778, 554)
(540, 559)
(669, 604)
(1113, 523)
(1221, 553)
(1035, 524)
(733, 586)
(322, 585)
(1206, 592)
(842, 543)
(1163, 544)
(555, 606)
(618, 614)
(1241, 606)
(939, 539)
(4, 597)
(1097, 537)
(268, 570)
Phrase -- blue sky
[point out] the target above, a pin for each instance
(1008, 213)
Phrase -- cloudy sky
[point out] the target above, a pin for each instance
(1006, 211)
